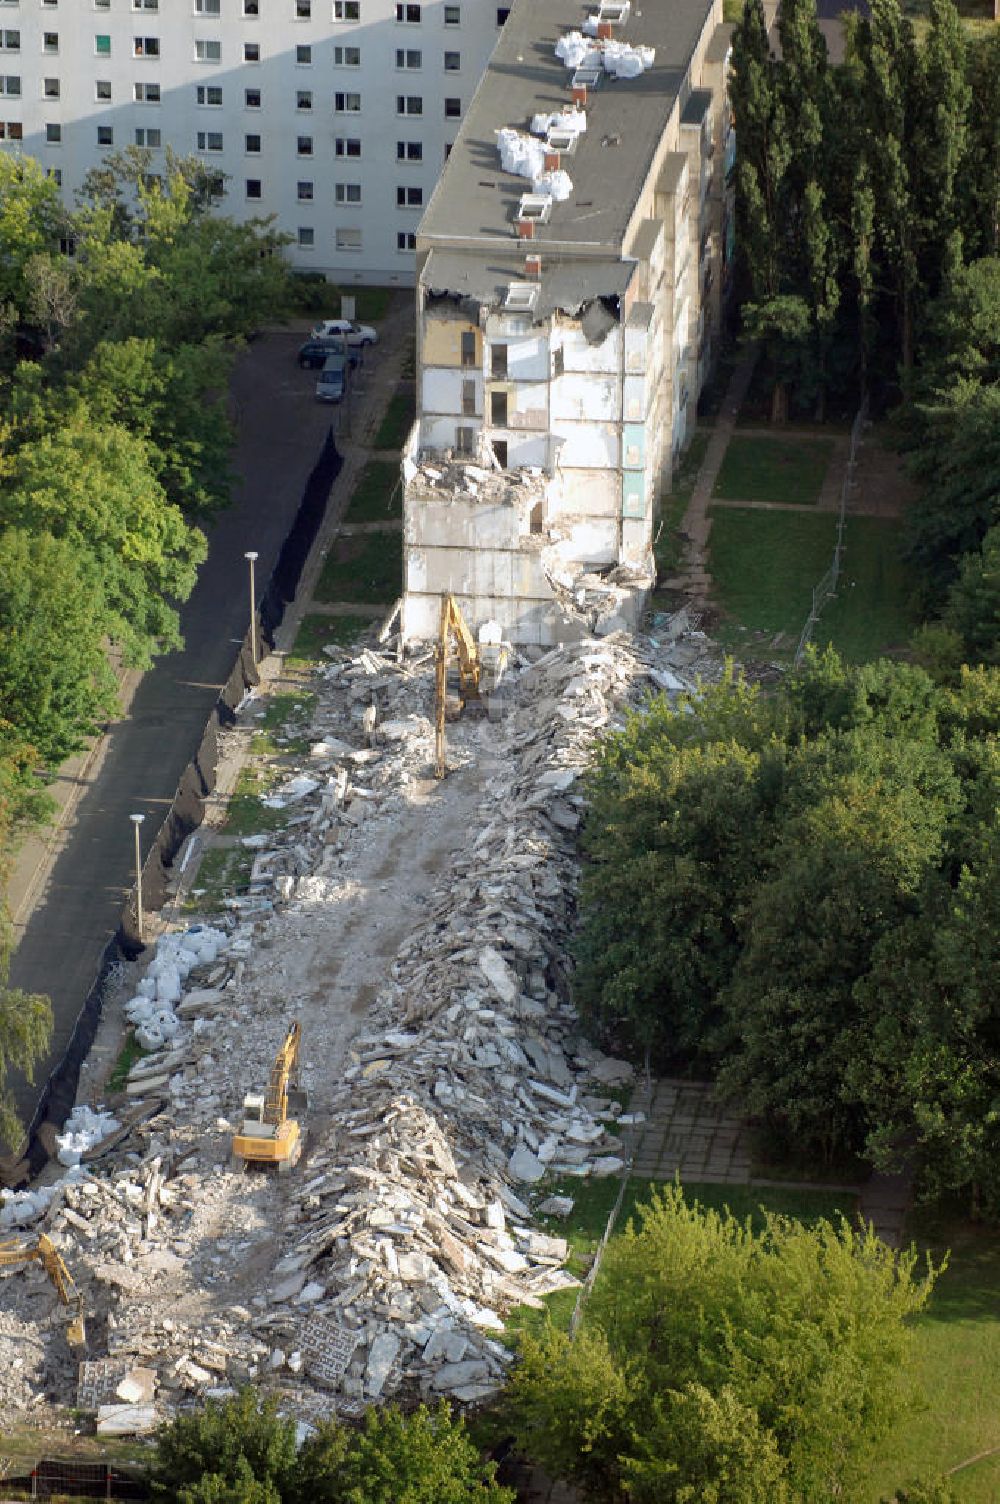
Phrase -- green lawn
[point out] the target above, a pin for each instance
(363, 567)
(377, 495)
(779, 470)
(958, 1368)
(764, 566)
(310, 293)
(398, 421)
(315, 631)
(593, 1200)
(872, 612)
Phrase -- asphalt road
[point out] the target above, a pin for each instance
(281, 429)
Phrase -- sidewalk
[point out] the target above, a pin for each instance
(694, 580)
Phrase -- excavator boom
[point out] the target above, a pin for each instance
(480, 667)
(44, 1252)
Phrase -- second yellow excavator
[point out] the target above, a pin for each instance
(44, 1252)
(481, 666)
(269, 1136)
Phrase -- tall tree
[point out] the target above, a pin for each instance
(980, 177)
(887, 59)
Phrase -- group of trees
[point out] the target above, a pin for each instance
(117, 326)
(868, 228)
(862, 188)
(720, 1364)
(243, 1451)
(799, 893)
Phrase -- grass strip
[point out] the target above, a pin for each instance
(785, 471)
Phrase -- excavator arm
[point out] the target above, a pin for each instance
(480, 666)
(44, 1252)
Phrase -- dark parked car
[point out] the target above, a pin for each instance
(314, 353)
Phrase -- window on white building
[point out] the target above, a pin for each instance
(409, 151)
(347, 146)
(409, 104)
(207, 50)
(347, 57)
(146, 93)
(347, 193)
(406, 240)
(347, 104)
(347, 239)
(209, 140)
(144, 136)
(347, 10)
(210, 94)
(408, 57)
(307, 235)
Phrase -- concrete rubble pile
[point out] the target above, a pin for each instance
(383, 1265)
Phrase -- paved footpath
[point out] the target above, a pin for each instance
(694, 579)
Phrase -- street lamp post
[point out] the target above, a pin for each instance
(137, 821)
(251, 558)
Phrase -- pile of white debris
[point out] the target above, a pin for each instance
(418, 931)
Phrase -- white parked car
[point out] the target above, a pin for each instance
(355, 334)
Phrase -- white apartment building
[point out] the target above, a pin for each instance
(571, 268)
(334, 115)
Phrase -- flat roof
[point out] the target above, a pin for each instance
(475, 198)
(565, 286)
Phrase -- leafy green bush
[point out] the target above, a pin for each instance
(721, 1364)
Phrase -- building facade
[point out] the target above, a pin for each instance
(334, 115)
(571, 272)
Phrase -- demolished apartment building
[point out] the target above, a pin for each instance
(571, 270)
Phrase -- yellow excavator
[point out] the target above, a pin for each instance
(269, 1136)
(480, 667)
(44, 1252)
